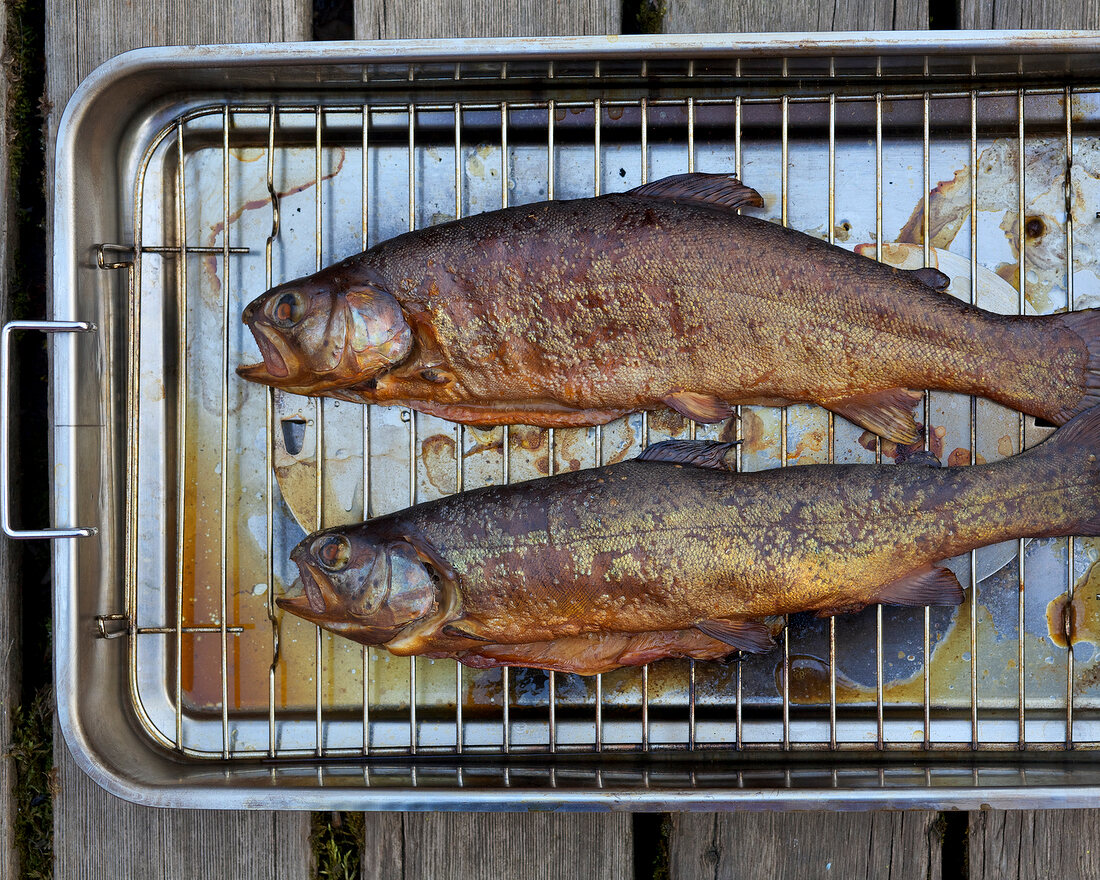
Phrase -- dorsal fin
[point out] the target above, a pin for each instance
(720, 190)
(697, 453)
(919, 458)
(930, 277)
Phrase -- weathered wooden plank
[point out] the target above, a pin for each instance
(1033, 844)
(382, 19)
(458, 846)
(797, 845)
(80, 36)
(462, 845)
(883, 846)
(1047, 843)
(748, 16)
(1075, 14)
(11, 664)
(10, 675)
(125, 838)
(97, 835)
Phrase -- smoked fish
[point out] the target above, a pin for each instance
(673, 555)
(568, 313)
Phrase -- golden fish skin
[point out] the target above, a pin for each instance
(678, 556)
(575, 312)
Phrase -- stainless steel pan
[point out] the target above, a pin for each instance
(187, 182)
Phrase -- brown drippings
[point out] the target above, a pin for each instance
(960, 457)
(438, 454)
(809, 682)
(666, 421)
(525, 437)
(572, 446)
(210, 264)
(1083, 623)
(811, 442)
(256, 204)
(890, 449)
(752, 432)
(1034, 227)
(485, 441)
(948, 672)
(1010, 272)
(948, 205)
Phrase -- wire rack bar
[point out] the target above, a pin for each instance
(1021, 440)
(319, 405)
(653, 728)
(973, 417)
(364, 170)
(224, 597)
(1071, 577)
(269, 421)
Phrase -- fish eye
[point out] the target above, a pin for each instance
(288, 309)
(332, 551)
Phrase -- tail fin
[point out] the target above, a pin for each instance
(1086, 324)
(1078, 443)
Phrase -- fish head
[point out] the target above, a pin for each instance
(328, 331)
(363, 583)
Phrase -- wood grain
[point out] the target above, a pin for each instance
(764, 846)
(395, 20)
(1075, 14)
(468, 845)
(747, 16)
(95, 834)
(80, 36)
(460, 846)
(769, 845)
(1033, 845)
(11, 659)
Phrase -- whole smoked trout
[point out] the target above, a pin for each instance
(577, 312)
(673, 555)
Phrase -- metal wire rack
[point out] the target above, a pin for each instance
(223, 477)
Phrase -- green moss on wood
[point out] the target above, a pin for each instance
(24, 48)
(32, 758)
(336, 842)
(643, 16)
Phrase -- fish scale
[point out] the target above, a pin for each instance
(575, 312)
(673, 554)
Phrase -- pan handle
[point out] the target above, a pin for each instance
(5, 424)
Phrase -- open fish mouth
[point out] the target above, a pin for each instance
(310, 602)
(274, 366)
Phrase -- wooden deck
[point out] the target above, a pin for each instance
(96, 835)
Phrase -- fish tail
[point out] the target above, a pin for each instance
(1086, 325)
(1073, 448)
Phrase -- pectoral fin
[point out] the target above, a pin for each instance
(919, 458)
(699, 407)
(925, 586)
(452, 630)
(745, 635)
(887, 413)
